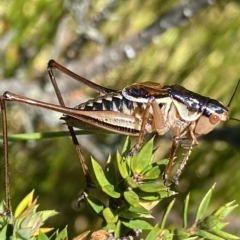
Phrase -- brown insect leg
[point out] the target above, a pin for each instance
(189, 148)
(183, 163)
(81, 158)
(140, 139)
(53, 64)
(8, 210)
(175, 144)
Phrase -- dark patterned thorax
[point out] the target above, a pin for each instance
(196, 102)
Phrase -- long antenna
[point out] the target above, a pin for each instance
(235, 90)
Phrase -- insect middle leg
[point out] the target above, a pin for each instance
(175, 144)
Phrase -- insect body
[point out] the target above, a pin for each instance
(136, 110)
(151, 107)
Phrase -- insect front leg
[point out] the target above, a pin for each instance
(158, 122)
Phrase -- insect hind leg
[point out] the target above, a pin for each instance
(52, 64)
(193, 142)
(184, 162)
(8, 207)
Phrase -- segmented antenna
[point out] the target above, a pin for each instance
(228, 106)
(234, 92)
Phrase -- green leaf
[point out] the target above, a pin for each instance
(3, 232)
(109, 215)
(96, 205)
(209, 222)
(46, 214)
(153, 173)
(110, 172)
(138, 209)
(137, 224)
(26, 202)
(141, 160)
(223, 234)
(42, 236)
(99, 173)
(63, 235)
(166, 213)
(126, 145)
(149, 196)
(193, 238)
(181, 234)
(208, 235)
(154, 233)
(185, 211)
(152, 187)
(110, 226)
(130, 182)
(128, 214)
(41, 135)
(112, 191)
(223, 211)
(122, 166)
(162, 162)
(117, 231)
(204, 204)
(131, 197)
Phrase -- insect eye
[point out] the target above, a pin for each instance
(214, 119)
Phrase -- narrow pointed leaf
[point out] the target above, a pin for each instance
(140, 161)
(153, 233)
(204, 204)
(208, 235)
(99, 173)
(223, 234)
(185, 211)
(227, 208)
(62, 235)
(166, 213)
(122, 166)
(110, 172)
(126, 145)
(47, 214)
(117, 231)
(26, 202)
(42, 236)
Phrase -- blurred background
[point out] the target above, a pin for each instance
(115, 43)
